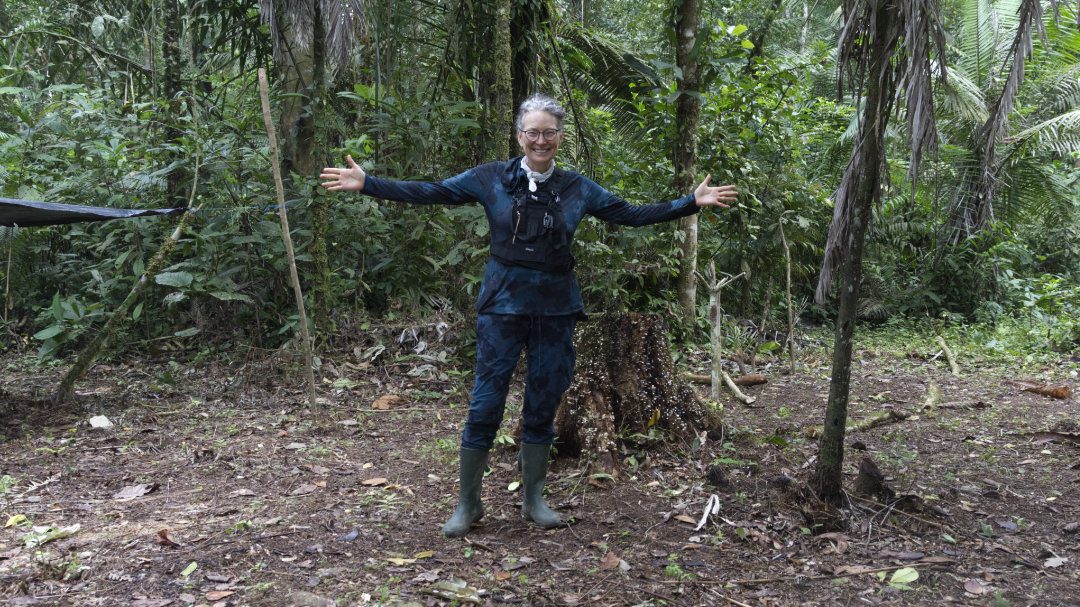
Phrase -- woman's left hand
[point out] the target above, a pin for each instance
(705, 196)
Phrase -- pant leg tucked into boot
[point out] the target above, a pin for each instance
(534, 466)
(469, 508)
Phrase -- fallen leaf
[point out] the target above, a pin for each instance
(374, 482)
(43, 535)
(18, 519)
(145, 602)
(299, 598)
(852, 569)
(218, 578)
(400, 561)
(217, 595)
(164, 539)
(426, 554)
(427, 576)
(304, 489)
(976, 587)
(189, 569)
(1056, 561)
(295, 446)
(350, 536)
(906, 575)
(100, 422)
(386, 402)
(243, 493)
(456, 590)
(609, 561)
(502, 575)
(685, 519)
(319, 470)
(134, 492)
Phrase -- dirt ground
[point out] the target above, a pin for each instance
(216, 486)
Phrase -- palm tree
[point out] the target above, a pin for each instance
(890, 46)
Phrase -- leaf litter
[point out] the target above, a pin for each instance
(234, 510)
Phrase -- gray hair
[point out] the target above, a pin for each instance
(539, 102)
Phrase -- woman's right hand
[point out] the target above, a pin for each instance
(350, 179)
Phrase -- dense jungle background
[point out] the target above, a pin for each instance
(943, 134)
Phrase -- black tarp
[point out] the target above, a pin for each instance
(27, 213)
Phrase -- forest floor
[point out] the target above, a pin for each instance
(216, 486)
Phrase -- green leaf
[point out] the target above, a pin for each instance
(906, 575)
(97, 28)
(513, 486)
(231, 296)
(49, 332)
(747, 44)
(188, 332)
(174, 279)
(189, 569)
(738, 30)
(137, 312)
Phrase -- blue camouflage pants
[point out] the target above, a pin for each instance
(550, 356)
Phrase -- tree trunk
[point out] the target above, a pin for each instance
(5, 18)
(759, 37)
(625, 383)
(828, 477)
(172, 79)
(687, 113)
(495, 86)
(303, 81)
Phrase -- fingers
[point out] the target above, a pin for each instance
(705, 184)
(352, 163)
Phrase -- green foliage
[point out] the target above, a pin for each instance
(83, 120)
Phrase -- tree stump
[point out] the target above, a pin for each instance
(625, 383)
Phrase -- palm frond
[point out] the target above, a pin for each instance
(1060, 135)
(963, 98)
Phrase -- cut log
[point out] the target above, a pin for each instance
(625, 383)
(751, 380)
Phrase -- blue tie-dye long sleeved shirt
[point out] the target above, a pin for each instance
(509, 289)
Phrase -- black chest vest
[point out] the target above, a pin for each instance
(537, 237)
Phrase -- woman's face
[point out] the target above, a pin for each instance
(539, 153)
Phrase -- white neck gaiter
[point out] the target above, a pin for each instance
(534, 177)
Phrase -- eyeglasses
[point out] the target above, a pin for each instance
(549, 134)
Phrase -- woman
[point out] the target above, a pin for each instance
(529, 298)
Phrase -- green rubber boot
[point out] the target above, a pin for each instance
(534, 466)
(469, 508)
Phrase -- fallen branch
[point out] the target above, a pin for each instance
(790, 578)
(730, 383)
(874, 421)
(948, 355)
(698, 378)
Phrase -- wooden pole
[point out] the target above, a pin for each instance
(790, 310)
(9, 301)
(275, 166)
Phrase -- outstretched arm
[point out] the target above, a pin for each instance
(459, 189)
(609, 207)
